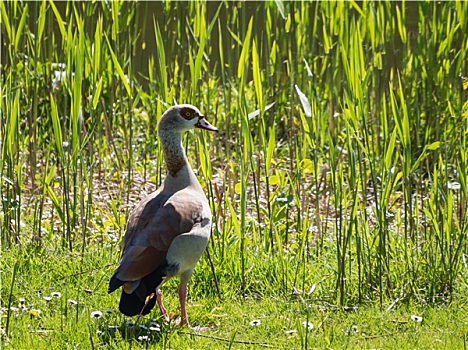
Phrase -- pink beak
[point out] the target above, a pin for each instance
(203, 124)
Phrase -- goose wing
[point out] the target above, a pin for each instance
(151, 228)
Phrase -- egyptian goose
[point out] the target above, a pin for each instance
(169, 229)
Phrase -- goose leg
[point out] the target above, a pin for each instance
(161, 306)
(183, 309)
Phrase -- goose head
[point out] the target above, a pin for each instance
(184, 117)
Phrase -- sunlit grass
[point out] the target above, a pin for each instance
(339, 169)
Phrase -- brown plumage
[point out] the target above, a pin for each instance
(168, 231)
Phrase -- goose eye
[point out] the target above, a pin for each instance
(188, 114)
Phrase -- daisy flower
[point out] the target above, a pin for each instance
(144, 338)
(308, 325)
(255, 323)
(96, 314)
(154, 327)
(416, 318)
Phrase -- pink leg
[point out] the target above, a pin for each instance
(183, 309)
(161, 306)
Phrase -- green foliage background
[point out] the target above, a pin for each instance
(339, 169)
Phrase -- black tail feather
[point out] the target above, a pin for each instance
(134, 304)
(114, 284)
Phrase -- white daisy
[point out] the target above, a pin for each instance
(255, 323)
(96, 314)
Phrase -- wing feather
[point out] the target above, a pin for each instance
(151, 228)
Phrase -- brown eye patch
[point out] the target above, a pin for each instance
(187, 113)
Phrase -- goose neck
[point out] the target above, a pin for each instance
(173, 151)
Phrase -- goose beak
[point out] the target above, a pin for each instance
(203, 124)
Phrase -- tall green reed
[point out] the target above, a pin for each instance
(358, 159)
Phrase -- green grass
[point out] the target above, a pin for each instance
(340, 168)
(279, 322)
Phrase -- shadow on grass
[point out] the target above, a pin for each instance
(143, 333)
